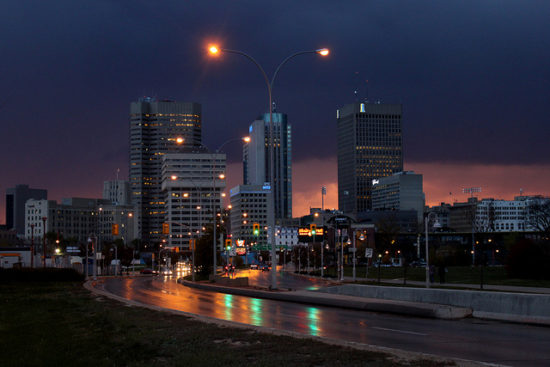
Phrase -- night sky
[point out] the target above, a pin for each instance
(473, 78)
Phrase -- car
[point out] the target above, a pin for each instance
(165, 271)
(146, 271)
(418, 263)
(229, 268)
(264, 267)
(254, 267)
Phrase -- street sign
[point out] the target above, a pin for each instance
(73, 249)
(368, 252)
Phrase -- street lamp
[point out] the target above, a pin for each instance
(436, 225)
(216, 50)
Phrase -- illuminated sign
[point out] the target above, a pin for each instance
(375, 182)
(306, 232)
(240, 251)
(240, 243)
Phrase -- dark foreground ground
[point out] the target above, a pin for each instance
(62, 324)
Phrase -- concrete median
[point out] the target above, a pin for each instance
(343, 301)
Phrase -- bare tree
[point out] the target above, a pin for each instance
(538, 215)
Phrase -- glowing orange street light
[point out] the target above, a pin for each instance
(174, 177)
(179, 140)
(222, 176)
(214, 50)
(185, 194)
(323, 51)
(246, 139)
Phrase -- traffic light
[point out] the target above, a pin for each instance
(114, 230)
(165, 228)
(228, 244)
(313, 229)
(256, 229)
(192, 244)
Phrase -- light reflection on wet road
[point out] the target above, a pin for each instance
(510, 344)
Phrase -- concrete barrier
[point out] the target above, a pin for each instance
(493, 305)
(232, 282)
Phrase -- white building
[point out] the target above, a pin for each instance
(192, 185)
(251, 204)
(506, 215)
(400, 191)
(286, 237)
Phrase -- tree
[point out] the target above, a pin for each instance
(538, 216)
(204, 253)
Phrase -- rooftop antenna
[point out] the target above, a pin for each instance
(356, 91)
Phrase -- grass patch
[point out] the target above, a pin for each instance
(43, 324)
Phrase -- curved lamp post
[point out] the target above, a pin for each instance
(215, 50)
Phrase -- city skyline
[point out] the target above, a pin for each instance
(472, 79)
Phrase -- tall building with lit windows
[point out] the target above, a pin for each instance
(370, 146)
(256, 161)
(157, 128)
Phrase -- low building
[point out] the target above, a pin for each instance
(16, 198)
(79, 218)
(251, 204)
(15, 256)
(400, 191)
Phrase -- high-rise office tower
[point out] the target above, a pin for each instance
(157, 128)
(256, 160)
(370, 146)
(16, 198)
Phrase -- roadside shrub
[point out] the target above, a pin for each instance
(40, 275)
(527, 260)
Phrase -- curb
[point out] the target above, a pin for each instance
(349, 302)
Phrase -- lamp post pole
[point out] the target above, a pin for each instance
(426, 221)
(323, 193)
(32, 246)
(269, 84)
(44, 219)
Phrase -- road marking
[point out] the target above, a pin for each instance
(399, 331)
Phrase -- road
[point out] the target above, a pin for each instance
(486, 341)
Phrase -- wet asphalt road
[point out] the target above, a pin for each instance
(486, 341)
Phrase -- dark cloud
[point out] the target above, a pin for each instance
(472, 76)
